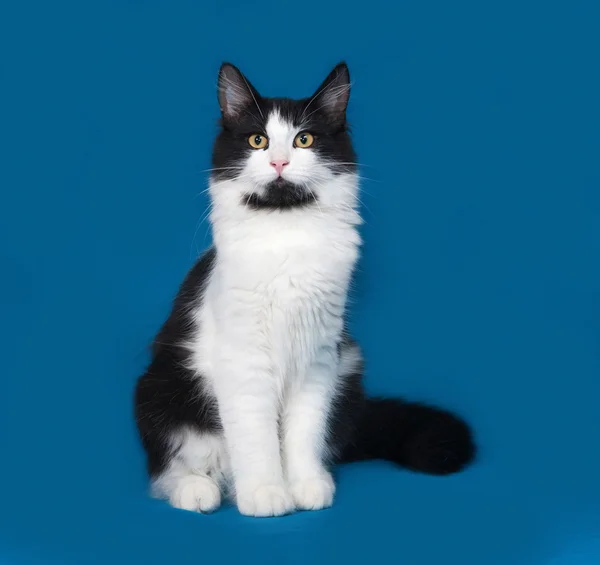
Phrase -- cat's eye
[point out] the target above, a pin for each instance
(304, 140)
(258, 141)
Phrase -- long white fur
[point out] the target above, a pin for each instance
(267, 335)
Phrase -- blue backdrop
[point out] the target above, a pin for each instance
(478, 130)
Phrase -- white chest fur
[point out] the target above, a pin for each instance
(277, 293)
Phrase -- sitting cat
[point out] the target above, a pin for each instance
(255, 387)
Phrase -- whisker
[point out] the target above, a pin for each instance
(315, 197)
(360, 177)
(202, 192)
(198, 226)
(360, 201)
(218, 183)
(333, 163)
(222, 169)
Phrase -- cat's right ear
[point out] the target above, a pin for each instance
(235, 92)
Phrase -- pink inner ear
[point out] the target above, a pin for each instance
(229, 95)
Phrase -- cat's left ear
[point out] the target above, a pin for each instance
(333, 94)
(235, 92)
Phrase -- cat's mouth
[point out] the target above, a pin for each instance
(280, 194)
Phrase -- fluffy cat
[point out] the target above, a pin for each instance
(255, 388)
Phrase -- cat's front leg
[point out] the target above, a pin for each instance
(305, 431)
(248, 407)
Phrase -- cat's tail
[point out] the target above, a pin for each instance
(419, 437)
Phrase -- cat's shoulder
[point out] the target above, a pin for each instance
(197, 276)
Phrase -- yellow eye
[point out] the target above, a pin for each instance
(304, 140)
(258, 141)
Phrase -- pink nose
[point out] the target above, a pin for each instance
(278, 165)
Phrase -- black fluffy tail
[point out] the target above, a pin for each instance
(418, 437)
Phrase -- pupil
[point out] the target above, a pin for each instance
(303, 139)
(258, 139)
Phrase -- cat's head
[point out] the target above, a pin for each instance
(282, 154)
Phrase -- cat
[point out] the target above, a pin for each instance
(254, 389)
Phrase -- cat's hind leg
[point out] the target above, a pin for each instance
(196, 472)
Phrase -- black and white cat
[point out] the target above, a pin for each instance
(254, 387)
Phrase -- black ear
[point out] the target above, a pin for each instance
(333, 95)
(235, 91)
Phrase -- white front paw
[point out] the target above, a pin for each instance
(196, 493)
(314, 493)
(264, 500)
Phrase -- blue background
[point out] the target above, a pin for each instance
(478, 130)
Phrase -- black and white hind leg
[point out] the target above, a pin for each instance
(197, 472)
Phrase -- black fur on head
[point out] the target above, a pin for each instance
(244, 112)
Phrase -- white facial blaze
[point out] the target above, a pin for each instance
(305, 168)
(303, 164)
(281, 136)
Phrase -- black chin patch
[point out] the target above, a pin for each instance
(280, 194)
